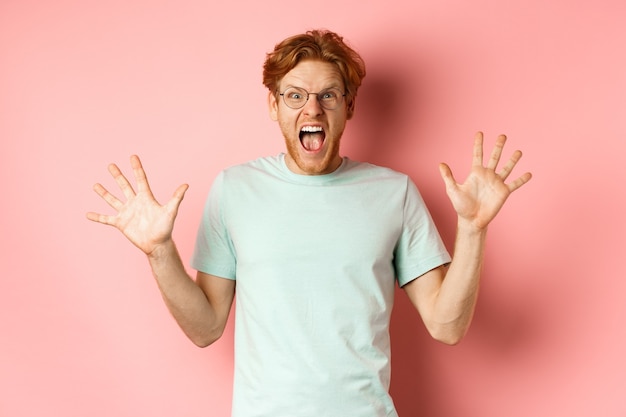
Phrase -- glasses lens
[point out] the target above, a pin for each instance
(295, 97)
(330, 99)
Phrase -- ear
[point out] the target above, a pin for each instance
(272, 104)
(350, 108)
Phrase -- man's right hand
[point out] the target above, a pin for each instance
(145, 222)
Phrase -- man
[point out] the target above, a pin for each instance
(314, 243)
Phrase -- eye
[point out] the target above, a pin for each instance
(295, 94)
(328, 95)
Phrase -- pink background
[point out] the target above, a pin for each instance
(84, 83)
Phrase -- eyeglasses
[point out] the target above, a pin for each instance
(296, 98)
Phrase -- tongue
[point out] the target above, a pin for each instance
(312, 141)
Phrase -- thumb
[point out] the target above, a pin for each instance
(177, 198)
(446, 175)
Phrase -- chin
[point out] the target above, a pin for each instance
(299, 162)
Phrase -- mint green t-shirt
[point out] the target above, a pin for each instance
(315, 259)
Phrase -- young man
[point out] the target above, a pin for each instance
(315, 243)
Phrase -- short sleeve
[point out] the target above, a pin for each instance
(420, 247)
(214, 253)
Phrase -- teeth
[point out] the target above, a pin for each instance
(310, 129)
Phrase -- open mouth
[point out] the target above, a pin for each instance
(312, 138)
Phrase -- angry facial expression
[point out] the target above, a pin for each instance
(312, 133)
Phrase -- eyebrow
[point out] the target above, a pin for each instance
(323, 89)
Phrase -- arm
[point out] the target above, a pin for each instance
(200, 307)
(446, 296)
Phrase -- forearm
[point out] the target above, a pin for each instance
(455, 301)
(184, 298)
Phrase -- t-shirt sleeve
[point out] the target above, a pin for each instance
(214, 253)
(420, 247)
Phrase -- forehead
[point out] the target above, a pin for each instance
(314, 75)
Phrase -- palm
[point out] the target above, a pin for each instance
(144, 221)
(484, 191)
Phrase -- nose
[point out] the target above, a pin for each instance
(312, 107)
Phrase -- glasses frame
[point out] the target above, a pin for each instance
(317, 96)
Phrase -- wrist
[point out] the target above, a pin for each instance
(471, 228)
(162, 250)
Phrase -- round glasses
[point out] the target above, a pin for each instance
(296, 97)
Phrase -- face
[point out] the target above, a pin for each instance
(312, 134)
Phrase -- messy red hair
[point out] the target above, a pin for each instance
(322, 45)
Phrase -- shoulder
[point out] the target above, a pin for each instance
(265, 163)
(366, 170)
(251, 169)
